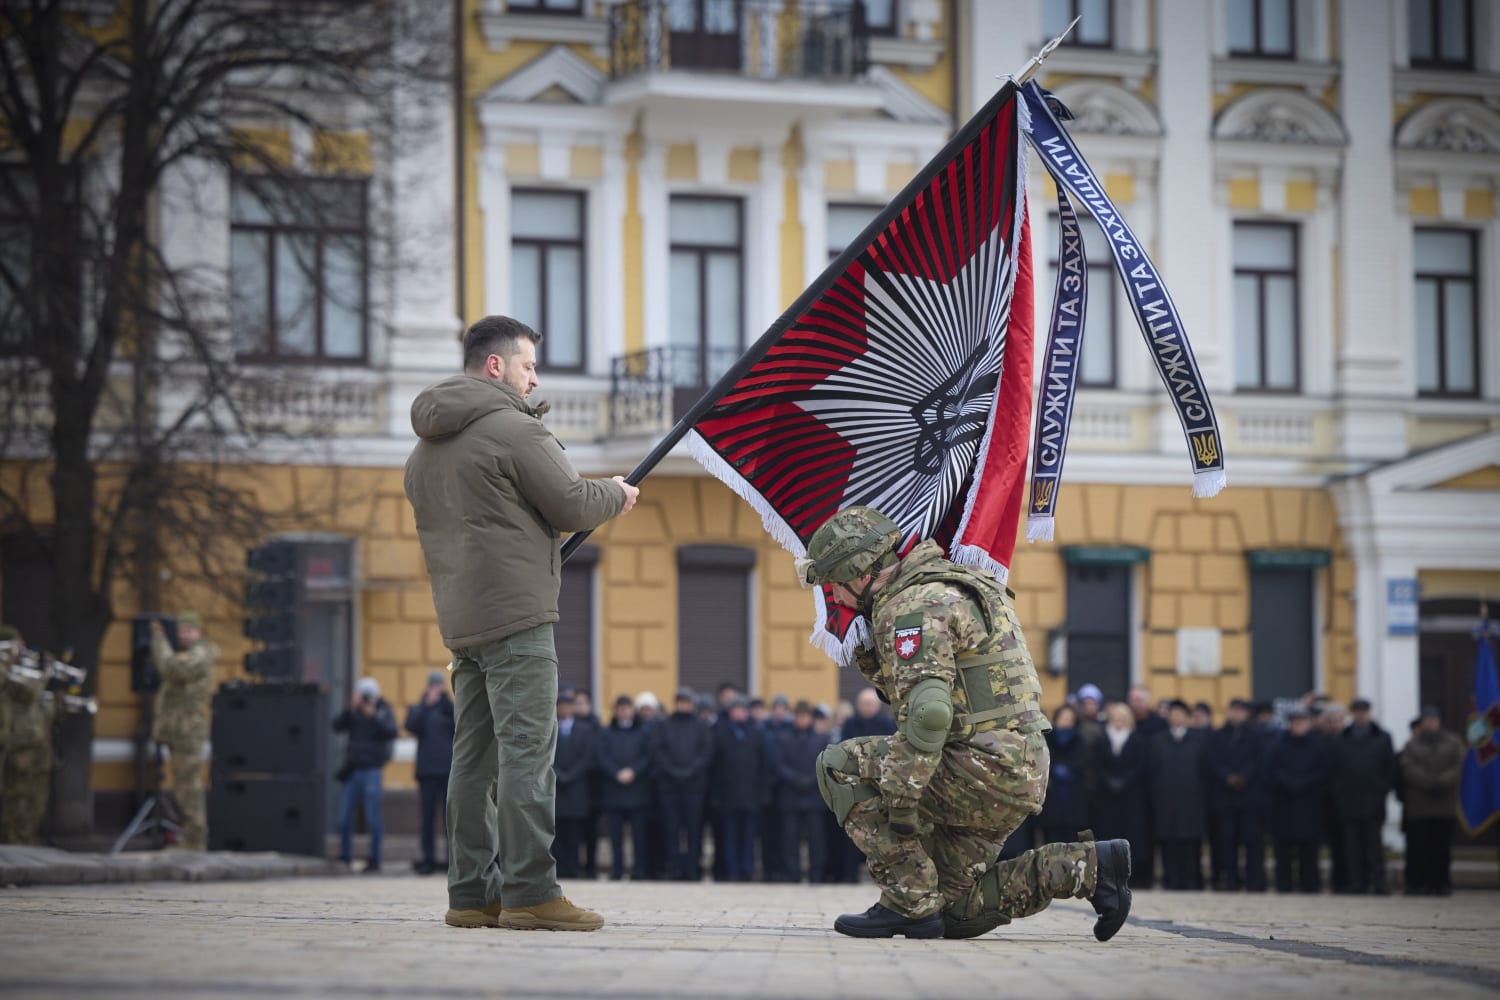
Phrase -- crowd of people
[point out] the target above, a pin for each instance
(734, 773)
(1165, 778)
(727, 784)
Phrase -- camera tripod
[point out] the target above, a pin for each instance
(155, 815)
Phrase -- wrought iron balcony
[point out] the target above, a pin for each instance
(649, 390)
(758, 39)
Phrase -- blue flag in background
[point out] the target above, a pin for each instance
(1479, 796)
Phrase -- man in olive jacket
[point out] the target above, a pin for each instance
(492, 490)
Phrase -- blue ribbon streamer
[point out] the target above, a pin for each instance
(1149, 299)
(1059, 372)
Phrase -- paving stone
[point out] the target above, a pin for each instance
(384, 936)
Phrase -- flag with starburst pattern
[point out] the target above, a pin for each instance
(902, 379)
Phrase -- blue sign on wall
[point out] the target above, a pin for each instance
(1401, 607)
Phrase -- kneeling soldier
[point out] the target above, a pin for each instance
(931, 805)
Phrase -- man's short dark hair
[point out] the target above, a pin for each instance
(495, 335)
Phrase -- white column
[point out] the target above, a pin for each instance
(652, 190)
(812, 209)
(494, 206)
(766, 208)
(1001, 36)
(607, 320)
(1371, 345)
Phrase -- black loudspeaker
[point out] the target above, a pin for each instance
(143, 679)
(272, 813)
(270, 729)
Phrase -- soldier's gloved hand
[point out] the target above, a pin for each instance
(904, 821)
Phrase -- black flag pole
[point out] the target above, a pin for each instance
(831, 273)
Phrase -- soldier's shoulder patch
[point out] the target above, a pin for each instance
(909, 635)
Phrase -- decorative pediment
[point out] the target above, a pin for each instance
(901, 102)
(1279, 116)
(1106, 109)
(559, 74)
(1451, 126)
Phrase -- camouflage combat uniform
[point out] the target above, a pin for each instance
(28, 758)
(182, 724)
(935, 619)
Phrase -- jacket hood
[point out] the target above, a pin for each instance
(445, 408)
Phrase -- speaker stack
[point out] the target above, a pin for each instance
(270, 781)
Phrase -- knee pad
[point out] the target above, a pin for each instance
(841, 793)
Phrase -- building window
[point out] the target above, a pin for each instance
(17, 191)
(1096, 30)
(1098, 627)
(1282, 661)
(1447, 321)
(547, 278)
(845, 222)
(1263, 29)
(713, 616)
(298, 262)
(1266, 342)
(1438, 34)
(703, 34)
(1096, 368)
(544, 6)
(707, 286)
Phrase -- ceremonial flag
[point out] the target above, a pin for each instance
(901, 379)
(1479, 795)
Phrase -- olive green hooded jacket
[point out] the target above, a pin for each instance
(492, 491)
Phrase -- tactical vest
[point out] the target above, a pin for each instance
(998, 687)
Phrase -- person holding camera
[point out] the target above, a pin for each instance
(431, 722)
(371, 726)
(181, 722)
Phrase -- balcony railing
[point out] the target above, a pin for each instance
(649, 390)
(751, 38)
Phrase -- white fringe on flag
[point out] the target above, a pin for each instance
(1208, 484)
(1038, 528)
(973, 555)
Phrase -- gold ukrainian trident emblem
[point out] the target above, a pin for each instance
(1044, 490)
(1206, 447)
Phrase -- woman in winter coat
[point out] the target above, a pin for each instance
(1121, 807)
(1066, 809)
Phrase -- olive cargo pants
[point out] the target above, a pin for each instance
(501, 788)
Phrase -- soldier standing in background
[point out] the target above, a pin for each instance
(27, 737)
(182, 716)
(931, 805)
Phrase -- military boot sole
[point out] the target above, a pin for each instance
(963, 928)
(528, 922)
(487, 917)
(930, 928)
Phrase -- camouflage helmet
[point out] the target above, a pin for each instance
(851, 543)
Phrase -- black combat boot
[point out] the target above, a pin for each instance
(880, 922)
(1111, 896)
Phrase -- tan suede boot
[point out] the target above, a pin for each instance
(553, 915)
(488, 916)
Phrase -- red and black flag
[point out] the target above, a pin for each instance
(901, 379)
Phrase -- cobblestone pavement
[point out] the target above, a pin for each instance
(383, 936)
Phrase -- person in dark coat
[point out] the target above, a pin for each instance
(736, 783)
(583, 711)
(431, 722)
(1122, 805)
(572, 766)
(1297, 769)
(1331, 721)
(1065, 811)
(623, 762)
(371, 726)
(771, 854)
(1176, 772)
(1234, 754)
(1363, 775)
(1147, 722)
(795, 755)
(681, 752)
(1432, 766)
